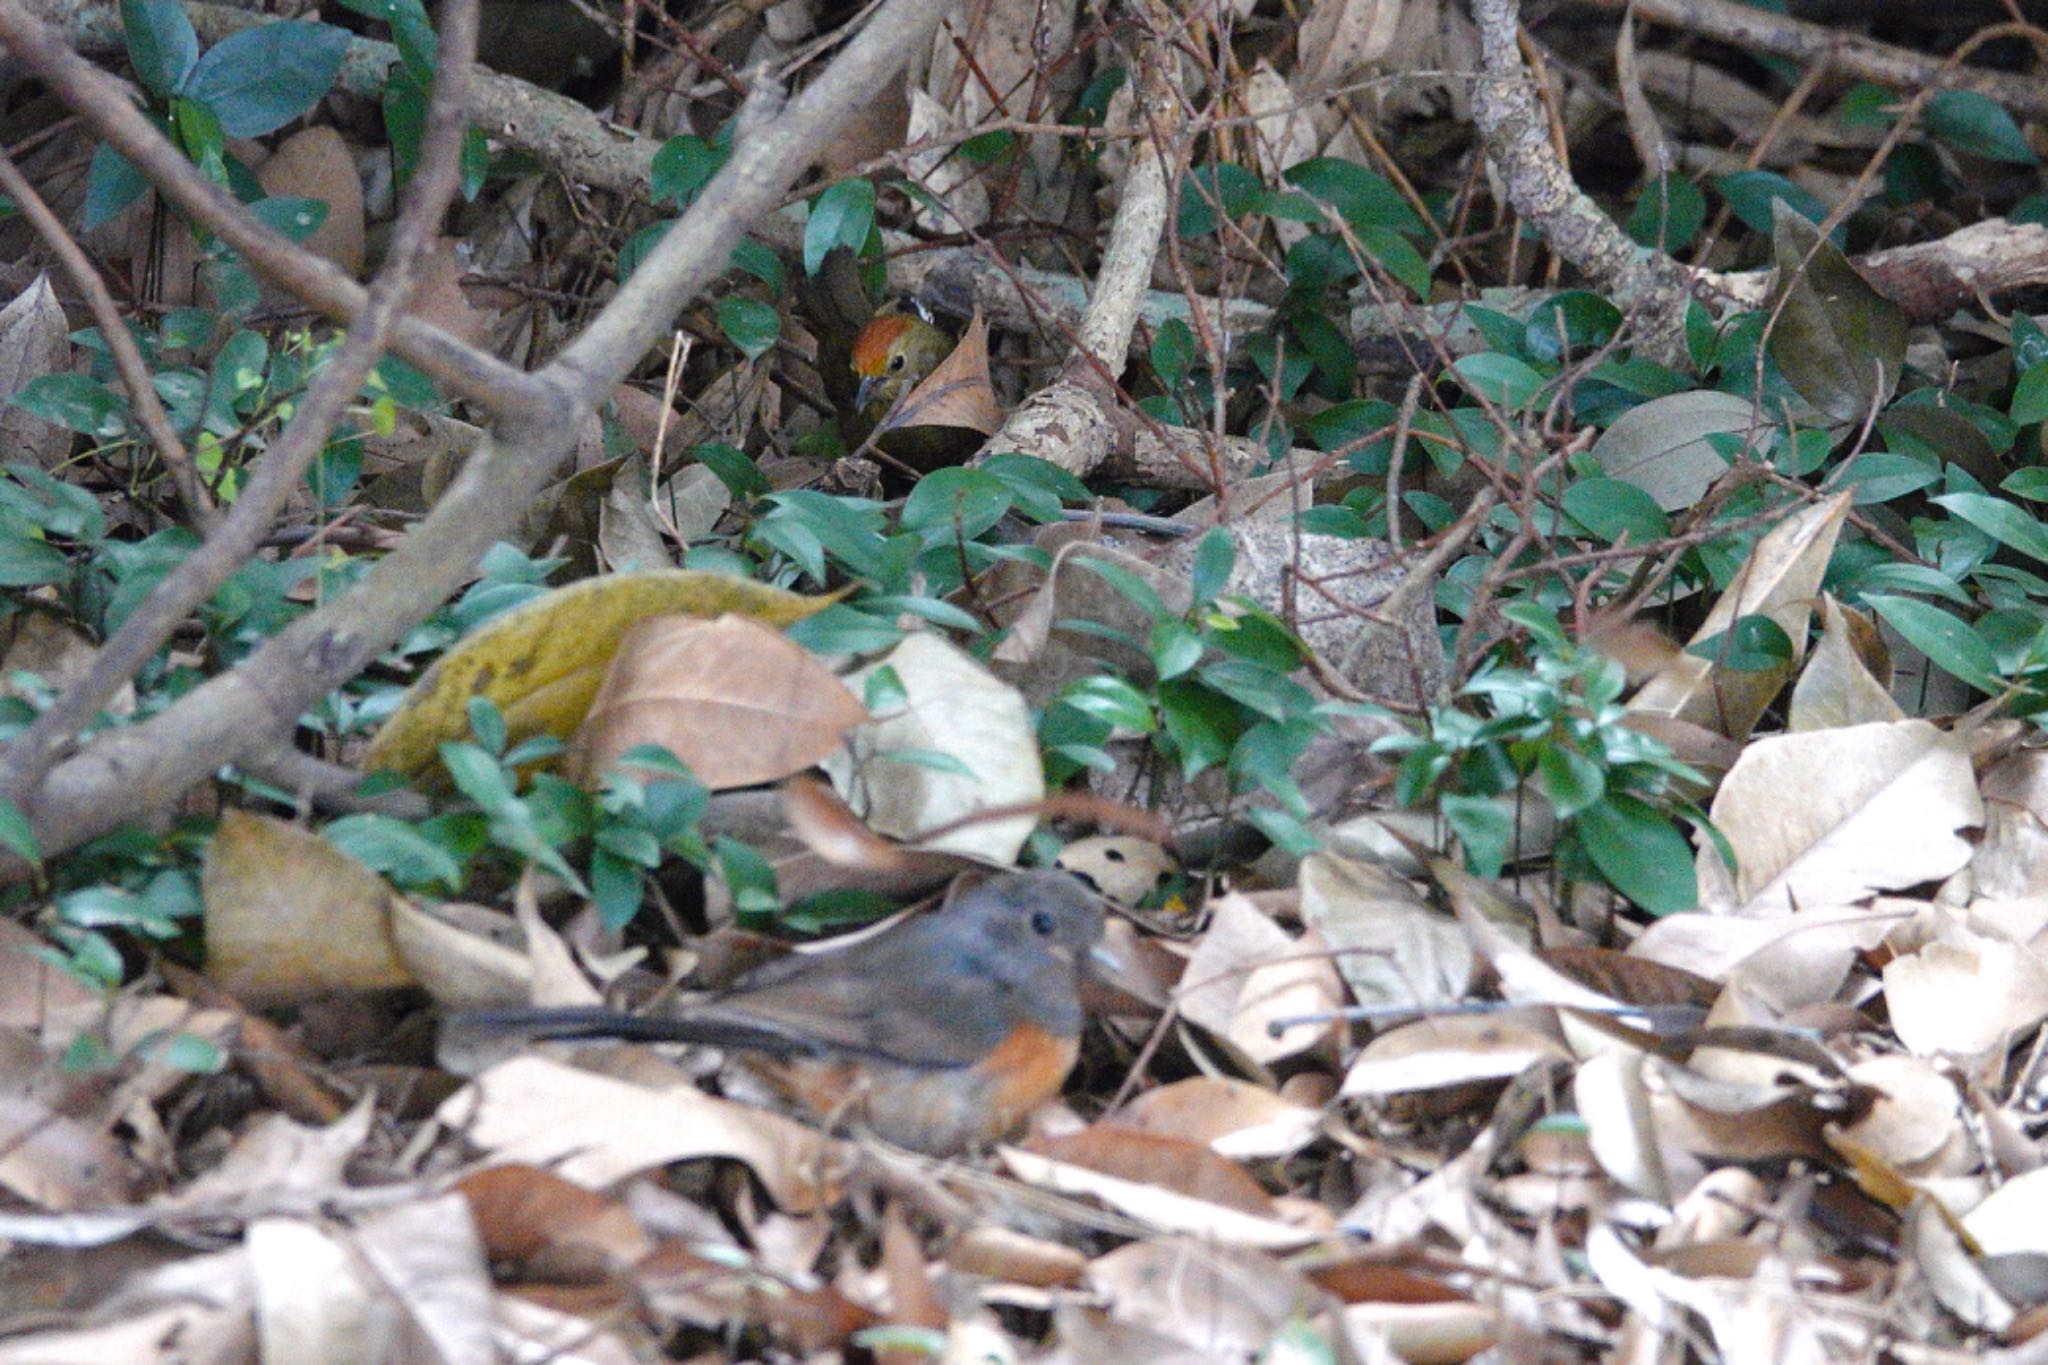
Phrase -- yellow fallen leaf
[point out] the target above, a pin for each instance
(541, 662)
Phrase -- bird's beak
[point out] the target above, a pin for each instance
(1105, 963)
(863, 395)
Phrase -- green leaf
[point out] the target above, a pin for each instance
(296, 218)
(1881, 476)
(1640, 853)
(1112, 700)
(1839, 342)
(162, 46)
(682, 167)
(1206, 191)
(1947, 641)
(411, 30)
(1361, 198)
(1173, 352)
(749, 324)
(396, 849)
(1999, 519)
(75, 402)
(1753, 196)
(843, 215)
(1499, 378)
(1174, 646)
(1201, 725)
(1754, 644)
(1668, 214)
(1215, 556)
(111, 184)
(958, 499)
(1570, 780)
(17, 835)
(734, 468)
(1571, 322)
(1484, 826)
(1976, 124)
(260, 79)
(2030, 395)
(1610, 508)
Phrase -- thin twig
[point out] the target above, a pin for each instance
(128, 362)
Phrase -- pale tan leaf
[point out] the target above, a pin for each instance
(1454, 1049)
(1123, 867)
(593, 1130)
(1222, 1305)
(289, 916)
(461, 965)
(278, 1164)
(1393, 950)
(1247, 973)
(2013, 1219)
(1964, 994)
(1608, 1090)
(737, 701)
(57, 1162)
(314, 163)
(1955, 1276)
(34, 341)
(429, 1262)
(1233, 1118)
(1338, 37)
(958, 392)
(1878, 807)
(2012, 859)
(313, 1299)
(1780, 579)
(1836, 687)
(1162, 1209)
(955, 708)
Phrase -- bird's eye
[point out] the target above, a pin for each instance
(1042, 923)
(896, 361)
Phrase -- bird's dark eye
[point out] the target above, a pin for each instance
(896, 361)
(1042, 923)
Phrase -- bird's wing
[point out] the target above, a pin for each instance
(902, 998)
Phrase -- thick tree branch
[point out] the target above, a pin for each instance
(133, 773)
(273, 478)
(135, 379)
(103, 104)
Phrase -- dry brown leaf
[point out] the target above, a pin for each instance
(738, 702)
(541, 662)
(289, 916)
(1454, 1050)
(955, 707)
(1964, 994)
(34, 341)
(314, 163)
(1247, 973)
(1879, 807)
(55, 1162)
(1232, 1118)
(958, 393)
(1122, 867)
(1166, 1210)
(1221, 1305)
(439, 298)
(1837, 686)
(1338, 37)
(549, 1228)
(1392, 948)
(1780, 579)
(593, 1130)
(2012, 859)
